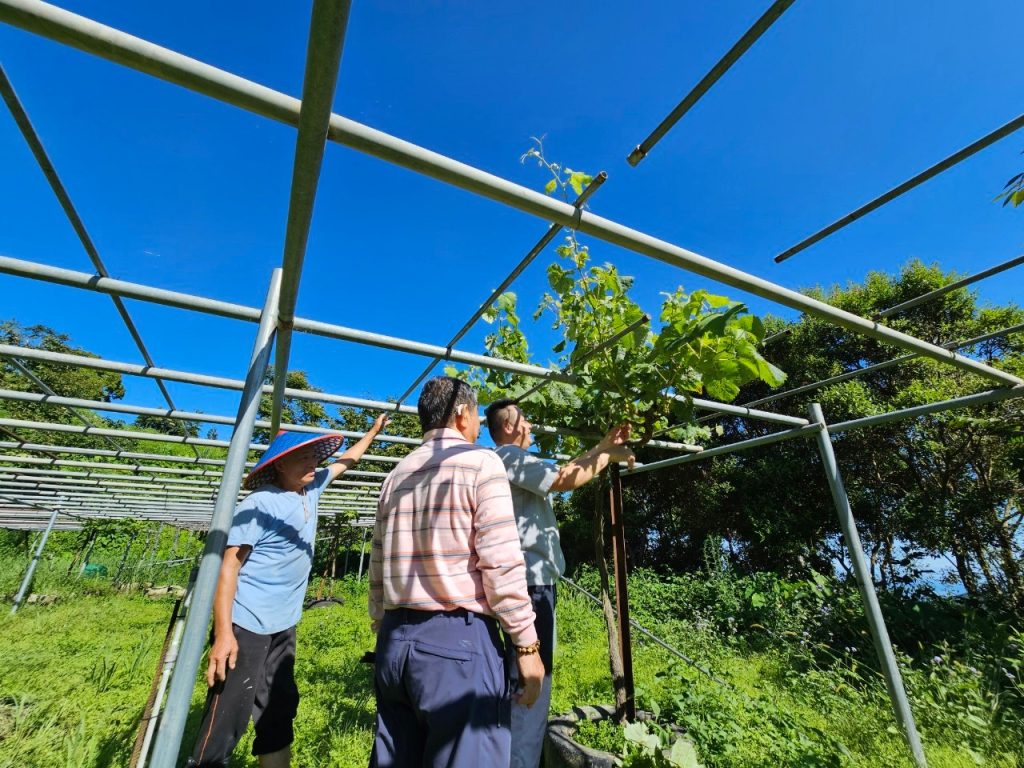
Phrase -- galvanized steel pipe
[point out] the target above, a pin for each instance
(111, 44)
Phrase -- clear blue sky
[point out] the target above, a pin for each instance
(835, 104)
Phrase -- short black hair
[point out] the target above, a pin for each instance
(496, 415)
(439, 399)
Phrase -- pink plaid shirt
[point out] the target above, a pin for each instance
(446, 537)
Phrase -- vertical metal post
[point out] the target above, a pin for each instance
(323, 59)
(169, 661)
(88, 553)
(27, 581)
(876, 623)
(174, 544)
(362, 551)
(183, 681)
(133, 578)
(124, 559)
(348, 550)
(148, 570)
(618, 531)
(80, 554)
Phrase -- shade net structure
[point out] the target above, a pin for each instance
(48, 477)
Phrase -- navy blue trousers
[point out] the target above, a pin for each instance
(443, 698)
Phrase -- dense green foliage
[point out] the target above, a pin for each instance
(623, 370)
(947, 486)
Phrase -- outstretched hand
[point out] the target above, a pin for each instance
(614, 444)
(379, 423)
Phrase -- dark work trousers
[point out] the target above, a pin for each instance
(442, 692)
(544, 599)
(530, 724)
(261, 686)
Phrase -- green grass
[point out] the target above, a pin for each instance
(74, 678)
(776, 712)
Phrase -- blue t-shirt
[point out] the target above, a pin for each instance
(280, 526)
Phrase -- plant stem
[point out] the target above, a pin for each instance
(614, 652)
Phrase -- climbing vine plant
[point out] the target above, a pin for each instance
(703, 345)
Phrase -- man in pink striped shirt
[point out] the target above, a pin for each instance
(446, 571)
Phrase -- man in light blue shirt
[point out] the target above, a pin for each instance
(532, 481)
(259, 597)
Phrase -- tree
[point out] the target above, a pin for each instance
(294, 410)
(706, 345)
(65, 380)
(166, 425)
(947, 485)
(623, 371)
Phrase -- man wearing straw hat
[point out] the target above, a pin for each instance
(259, 597)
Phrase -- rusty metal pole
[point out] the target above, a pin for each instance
(621, 589)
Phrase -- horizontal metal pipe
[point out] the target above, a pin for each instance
(84, 280)
(741, 46)
(197, 416)
(972, 148)
(86, 496)
(107, 466)
(25, 445)
(709, 453)
(220, 382)
(137, 469)
(138, 492)
(31, 478)
(111, 44)
(32, 353)
(52, 479)
(744, 410)
(147, 498)
(24, 525)
(77, 451)
(969, 401)
(152, 436)
(194, 516)
(111, 489)
(924, 298)
(83, 489)
(881, 366)
(318, 328)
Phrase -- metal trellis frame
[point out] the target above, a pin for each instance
(38, 483)
(959, 156)
(759, 27)
(35, 144)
